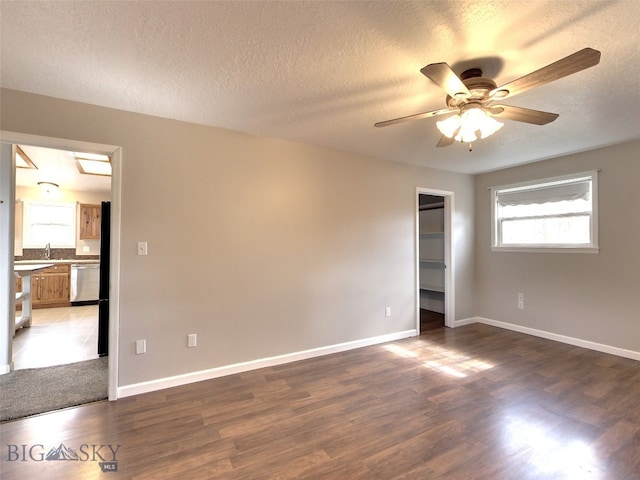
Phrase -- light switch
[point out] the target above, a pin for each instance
(142, 248)
(141, 347)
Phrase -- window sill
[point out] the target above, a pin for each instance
(555, 249)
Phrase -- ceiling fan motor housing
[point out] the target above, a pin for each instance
(478, 85)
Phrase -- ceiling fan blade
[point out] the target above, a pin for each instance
(417, 116)
(441, 74)
(585, 58)
(445, 141)
(520, 114)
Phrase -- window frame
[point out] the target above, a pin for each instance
(592, 247)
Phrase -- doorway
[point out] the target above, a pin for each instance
(10, 138)
(60, 226)
(434, 260)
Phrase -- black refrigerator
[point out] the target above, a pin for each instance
(103, 296)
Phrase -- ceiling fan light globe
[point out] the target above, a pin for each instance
(473, 118)
(450, 126)
(490, 127)
(476, 124)
(466, 135)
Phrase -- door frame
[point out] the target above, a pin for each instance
(449, 255)
(116, 197)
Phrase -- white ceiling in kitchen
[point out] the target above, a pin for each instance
(59, 167)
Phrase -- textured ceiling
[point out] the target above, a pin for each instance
(324, 72)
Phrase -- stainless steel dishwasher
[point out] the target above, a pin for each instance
(85, 283)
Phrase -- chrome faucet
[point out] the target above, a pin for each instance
(47, 251)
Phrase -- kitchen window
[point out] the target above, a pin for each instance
(53, 223)
(556, 214)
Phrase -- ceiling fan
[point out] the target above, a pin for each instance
(471, 98)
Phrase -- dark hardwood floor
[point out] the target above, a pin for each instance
(430, 320)
(475, 402)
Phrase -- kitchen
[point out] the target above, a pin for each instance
(59, 215)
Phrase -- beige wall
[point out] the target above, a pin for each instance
(260, 246)
(591, 297)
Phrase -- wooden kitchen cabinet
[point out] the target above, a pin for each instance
(49, 287)
(54, 286)
(89, 222)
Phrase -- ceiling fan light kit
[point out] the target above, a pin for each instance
(470, 98)
(471, 124)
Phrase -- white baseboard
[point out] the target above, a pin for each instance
(5, 369)
(465, 321)
(578, 342)
(192, 377)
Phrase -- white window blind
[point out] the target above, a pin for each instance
(539, 194)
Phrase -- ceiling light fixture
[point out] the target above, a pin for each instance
(49, 188)
(471, 124)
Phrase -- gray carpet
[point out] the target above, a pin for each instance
(37, 390)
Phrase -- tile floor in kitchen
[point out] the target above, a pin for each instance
(57, 336)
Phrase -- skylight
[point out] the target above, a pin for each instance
(93, 163)
(23, 160)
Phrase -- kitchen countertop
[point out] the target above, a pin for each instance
(54, 262)
(27, 269)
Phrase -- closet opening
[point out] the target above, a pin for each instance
(432, 261)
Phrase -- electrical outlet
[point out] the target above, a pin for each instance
(387, 312)
(141, 347)
(192, 340)
(521, 301)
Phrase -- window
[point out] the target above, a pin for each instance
(53, 223)
(557, 214)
